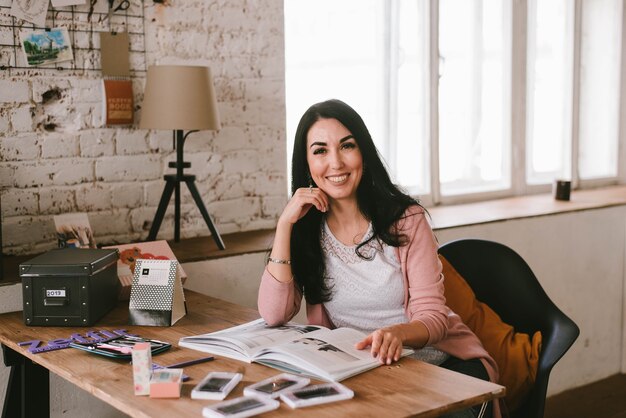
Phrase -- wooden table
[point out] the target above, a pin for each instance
(407, 388)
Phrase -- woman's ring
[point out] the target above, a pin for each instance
(311, 189)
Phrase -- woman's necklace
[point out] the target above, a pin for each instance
(346, 237)
(359, 236)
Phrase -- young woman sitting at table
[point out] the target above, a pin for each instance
(362, 253)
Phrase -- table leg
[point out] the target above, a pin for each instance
(28, 390)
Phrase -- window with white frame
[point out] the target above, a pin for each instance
(549, 82)
(474, 131)
(468, 99)
(600, 68)
(372, 55)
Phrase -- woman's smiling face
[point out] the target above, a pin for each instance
(334, 159)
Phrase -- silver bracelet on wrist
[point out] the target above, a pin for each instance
(278, 260)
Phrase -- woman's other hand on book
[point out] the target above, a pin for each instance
(385, 344)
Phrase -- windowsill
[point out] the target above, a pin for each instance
(444, 217)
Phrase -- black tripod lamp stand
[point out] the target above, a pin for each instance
(180, 98)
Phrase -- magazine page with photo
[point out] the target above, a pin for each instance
(325, 354)
(243, 342)
(307, 350)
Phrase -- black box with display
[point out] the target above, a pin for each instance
(69, 287)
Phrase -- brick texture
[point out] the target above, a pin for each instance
(57, 156)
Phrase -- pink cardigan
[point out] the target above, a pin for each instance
(423, 300)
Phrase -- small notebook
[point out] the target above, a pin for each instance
(118, 102)
(114, 54)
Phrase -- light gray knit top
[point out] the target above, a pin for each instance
(367, 293)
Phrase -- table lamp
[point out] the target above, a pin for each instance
(180, 98)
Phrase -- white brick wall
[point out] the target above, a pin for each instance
(21, 119)
(7, 176)
(20, 202)
(13, 91)
(56, 200)
(96, 142)
(21, 147)
(56, 155)
(42, 173)
(4, 120)
(93, 197)
(60, 145)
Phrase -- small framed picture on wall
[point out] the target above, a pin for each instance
(42, 47)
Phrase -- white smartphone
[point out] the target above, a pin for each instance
(216, 385)
(276, 385)
(316, 394)
(245, 406)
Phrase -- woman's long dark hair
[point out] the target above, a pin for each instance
(379, 200)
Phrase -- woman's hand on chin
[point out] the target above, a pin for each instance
(301, 202)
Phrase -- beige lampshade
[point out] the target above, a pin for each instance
(179, 97)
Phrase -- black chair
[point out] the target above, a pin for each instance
(501, 278)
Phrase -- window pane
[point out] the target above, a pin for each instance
(412, 148)
(549, 90)
(599, 88)
(473, 98)
(334, 49)
(370, 54)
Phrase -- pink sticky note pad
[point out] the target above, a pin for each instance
(166, 383)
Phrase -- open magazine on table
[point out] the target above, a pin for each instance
(307, 350)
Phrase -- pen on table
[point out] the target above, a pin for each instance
(190, 362)
(183, 364)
